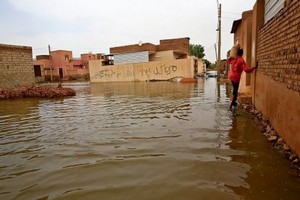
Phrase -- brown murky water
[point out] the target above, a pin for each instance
(155, 140)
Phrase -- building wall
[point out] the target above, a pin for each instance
(44, 66)
(162, 55)
(277, 82)
(201, 68)
(86, 57)
(16, 66)
(133, 48)
(243, 36)
(131, 57)
(158, 70)
(61, 59)
(181, 44)
(257, 24)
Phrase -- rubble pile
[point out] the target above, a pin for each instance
(272, 136)
(36, 91)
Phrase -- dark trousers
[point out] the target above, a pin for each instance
(235, 86)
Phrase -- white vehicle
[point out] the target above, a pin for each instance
(211, 74)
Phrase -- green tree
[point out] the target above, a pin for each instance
(213, 67)
(207, 63)
(197, 50)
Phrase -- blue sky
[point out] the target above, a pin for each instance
(96, 25)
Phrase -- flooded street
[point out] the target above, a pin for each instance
(138, 141)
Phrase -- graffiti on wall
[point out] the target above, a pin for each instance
(149, 72)
(106, 74)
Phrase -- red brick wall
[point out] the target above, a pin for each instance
(181, 44)
(174, 44)
(277, 80)
(278, 50)
(133, 48)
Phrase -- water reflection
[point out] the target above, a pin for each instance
(268, 177)
(144, 89)
(147, 140)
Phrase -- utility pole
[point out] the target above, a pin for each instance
(216, 52)
(219, 42)
(50, 63)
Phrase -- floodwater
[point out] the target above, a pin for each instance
(138, 141)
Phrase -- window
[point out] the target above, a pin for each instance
(37, 71)
(272, 7)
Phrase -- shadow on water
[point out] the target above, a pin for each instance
(270, 175)
(145, 140)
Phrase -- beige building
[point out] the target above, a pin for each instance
(146, 62)
(242, 30)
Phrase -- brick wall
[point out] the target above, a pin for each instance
(133, 48)
(277, 80)
(278, 50)
(181, 44)
(16, 67)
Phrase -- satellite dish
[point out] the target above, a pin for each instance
(140, 43)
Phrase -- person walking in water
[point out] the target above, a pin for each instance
(238, 65)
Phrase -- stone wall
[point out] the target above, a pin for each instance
(16, 66)
(277, 81)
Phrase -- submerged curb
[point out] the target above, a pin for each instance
(273, 136)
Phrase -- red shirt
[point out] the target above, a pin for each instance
(238, 65)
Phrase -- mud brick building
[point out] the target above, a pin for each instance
(279, 47)
(277, 87)
(16, 68)
(273, 39)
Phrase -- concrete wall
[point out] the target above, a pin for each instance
(277, 82)
(16, 66)
(146, 89)
(201, 69)
(158, 70)
(163, 55)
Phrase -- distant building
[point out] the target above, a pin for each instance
(62, 66)
(146, 62)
